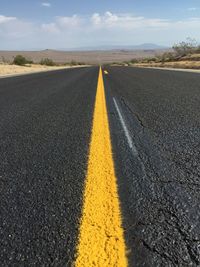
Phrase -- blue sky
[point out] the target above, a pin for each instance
(61, 24)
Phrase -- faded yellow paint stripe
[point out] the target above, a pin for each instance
(101, 240)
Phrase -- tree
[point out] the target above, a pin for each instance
(187, 47)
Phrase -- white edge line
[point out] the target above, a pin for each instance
(128, 137)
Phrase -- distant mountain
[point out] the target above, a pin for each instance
(146, 46)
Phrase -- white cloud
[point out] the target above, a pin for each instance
(46, 4)
(96, 19)
(73, 21)
(62, 24)
(96, 29)
(50, 28)
(125, 21)
(5, 19)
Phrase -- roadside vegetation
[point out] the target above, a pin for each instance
(20, 64)
(75, 63)
(21, 60)
(47, 62)
(185, 54)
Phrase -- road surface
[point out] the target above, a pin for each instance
(100, 168)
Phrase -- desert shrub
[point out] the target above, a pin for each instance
(185, 48)
(73, 63)
(47, 62)
(81, 63)
(150, 60)
(4, 60)
(166, 57)
(126, 63)
(134, 61)
(146, 60)
(20, 60)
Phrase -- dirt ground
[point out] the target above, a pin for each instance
(6, 69)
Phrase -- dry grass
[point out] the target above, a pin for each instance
(6, 69)
(176, 64)
(192, 57)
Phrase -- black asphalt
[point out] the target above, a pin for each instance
(160, 187)
(45, 127)
(45, 130)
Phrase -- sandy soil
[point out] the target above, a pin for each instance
(6, 69)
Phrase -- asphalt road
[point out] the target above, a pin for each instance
(160, 184)
(45, 131)
(45, 122)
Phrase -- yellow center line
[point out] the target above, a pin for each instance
(101, 239)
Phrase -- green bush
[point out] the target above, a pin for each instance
(47, 62)
(134, 61)
(150, 59)
(21, 60)
(81, 63)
